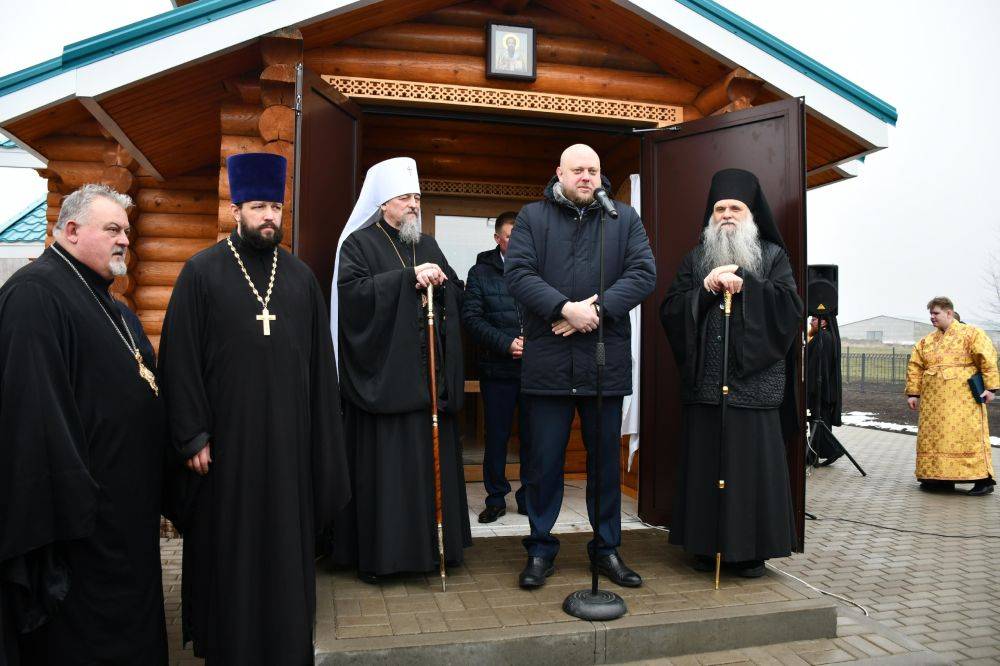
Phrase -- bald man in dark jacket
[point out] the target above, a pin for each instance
(553, 269)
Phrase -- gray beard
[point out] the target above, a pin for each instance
(741, 247)
(409, 231)
(117, 266)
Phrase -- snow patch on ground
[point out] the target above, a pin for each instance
(867, 420)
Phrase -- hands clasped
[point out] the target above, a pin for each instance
(578, 317)
(724, 278)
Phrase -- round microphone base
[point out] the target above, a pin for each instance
(603, 606)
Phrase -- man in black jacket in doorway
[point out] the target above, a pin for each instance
(552, 268)
(492, 317)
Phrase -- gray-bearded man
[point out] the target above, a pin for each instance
(740, 252)
(379, 317)
(81, 456)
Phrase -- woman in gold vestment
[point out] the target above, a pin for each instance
(953, 436)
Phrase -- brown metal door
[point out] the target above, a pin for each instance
(677, 167)
(327, 172)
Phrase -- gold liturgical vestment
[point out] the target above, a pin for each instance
(953, 435)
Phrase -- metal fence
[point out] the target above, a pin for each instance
(869, 371)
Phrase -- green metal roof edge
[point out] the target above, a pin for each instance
(794, 58)
(184, 18)
(20, 216)
(125, 38)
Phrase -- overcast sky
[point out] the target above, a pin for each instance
(913, 225)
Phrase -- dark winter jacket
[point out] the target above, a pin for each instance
(491, 316)
(553, 258)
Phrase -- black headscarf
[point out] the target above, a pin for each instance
(743, 186)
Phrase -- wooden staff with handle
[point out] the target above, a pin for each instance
(728, 307)
(435, 437)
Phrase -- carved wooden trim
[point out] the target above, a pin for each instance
(501, 100)
(461, 188)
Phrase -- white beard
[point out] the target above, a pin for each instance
(117, 266)
(409, 230)
(741, 246)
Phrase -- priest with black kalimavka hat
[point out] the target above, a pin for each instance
(740, 252)
(253, 403)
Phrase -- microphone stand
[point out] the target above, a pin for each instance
(595, 604)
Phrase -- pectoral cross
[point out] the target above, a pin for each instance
(265, 318)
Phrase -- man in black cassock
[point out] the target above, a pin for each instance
(252, 398)
(741, 252)
(81, 456)
(383, 267)
(823, 389)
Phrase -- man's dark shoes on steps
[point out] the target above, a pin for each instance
(535, 572)
(614, 568)
(491, 513)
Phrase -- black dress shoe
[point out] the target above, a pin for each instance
(981, 488)
(933, 485)
(521, 510)
(535, 572)
(614, 568)
(703, 563)
(491, 513)
(750, 568)
(367, 577)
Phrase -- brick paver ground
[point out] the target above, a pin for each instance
(483, 592)
(935, 590)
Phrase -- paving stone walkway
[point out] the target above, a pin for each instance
(926, 590)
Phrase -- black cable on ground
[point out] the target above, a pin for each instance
(900, 529)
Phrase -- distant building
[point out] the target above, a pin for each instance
(22, 238)
(885, 329)
(897, 331)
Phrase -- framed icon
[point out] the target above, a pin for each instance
(510, 52)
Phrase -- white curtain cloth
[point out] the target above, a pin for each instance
(630, 405)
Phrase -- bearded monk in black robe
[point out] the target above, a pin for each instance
(741, 252)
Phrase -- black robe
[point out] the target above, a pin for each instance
(757, 520)
(270, 407)
(81, 461)
(390, 525)
(823, 377)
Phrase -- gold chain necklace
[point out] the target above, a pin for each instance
(389, 238)
(130, 344)
(265, 317)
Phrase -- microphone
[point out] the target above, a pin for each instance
(602, 196)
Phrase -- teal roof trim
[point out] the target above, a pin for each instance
(184, 18)
(794, 58)
(28, 226)
(125, 38)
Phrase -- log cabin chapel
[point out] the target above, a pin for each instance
(666, 91)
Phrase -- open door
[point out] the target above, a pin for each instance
(677, 167)
(327, 172)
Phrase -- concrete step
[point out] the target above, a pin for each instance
(486, 618)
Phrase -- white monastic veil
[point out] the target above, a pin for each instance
(384, 180)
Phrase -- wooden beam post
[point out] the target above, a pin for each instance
(736, 90)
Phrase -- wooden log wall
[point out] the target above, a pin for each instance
(448, 46)
(176, 219)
